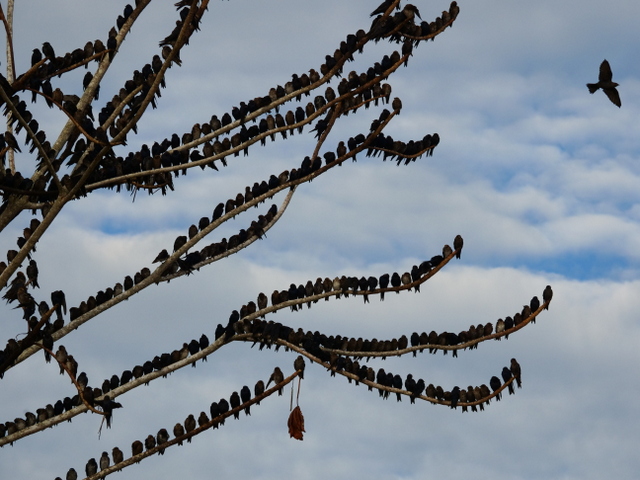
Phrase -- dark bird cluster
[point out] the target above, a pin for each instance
(399, 151)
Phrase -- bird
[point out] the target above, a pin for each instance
(48, 51)
(546, 296)
(91, 468)
(189, 425)
(234, 400)
(117, 455)
(606, 84)
(107, 407)
(150, 442)
(162, 437)
(72, 474)
(245, 396)
(104, 461)
(258, 389)
(516, 372)
(457, 245)
(277, 376)
(455, 396)
(506, 375)
(136, 448)
(495, 384)
(298, 364)
(178, 431)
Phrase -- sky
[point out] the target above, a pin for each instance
(539, 177)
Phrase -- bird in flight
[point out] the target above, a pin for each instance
(606, 84)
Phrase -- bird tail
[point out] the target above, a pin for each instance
(592, 87)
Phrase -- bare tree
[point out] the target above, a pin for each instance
(90, 154)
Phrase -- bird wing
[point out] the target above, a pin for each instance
(613, 95)
(605, 72)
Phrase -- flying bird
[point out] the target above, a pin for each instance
(606, 84)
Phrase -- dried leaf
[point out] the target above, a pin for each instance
(296, 423)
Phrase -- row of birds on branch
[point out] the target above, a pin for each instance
(324, 348)
(470, 397)
(335, 350)
(187, 264)
(218, 411)
(402, 24)
(349, 285)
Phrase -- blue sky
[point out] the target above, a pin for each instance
(540, 178)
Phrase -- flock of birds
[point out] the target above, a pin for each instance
(471, 397)
(118, 114)
(337, 354)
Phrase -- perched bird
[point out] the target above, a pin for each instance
(136, 448)
(117, 455)
(546, 296)
(178, 431)
(162, 437)
(455, 396)
(516, 372)
(495, 384)
(189, 425)
(72, 474)
(150, 442)
(104, 461)
(234, 400)
(276, 377)
(298, 364)
(382, 8)
(457, 245)
(258, 389)
(245, 396)
(506, 375)
(91, 468)
(606, 84)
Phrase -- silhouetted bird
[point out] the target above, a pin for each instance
(150, 442)
(107, 407)
(162, 437)
(258, 389)
(245, 396)
(276, 377)
(382, 7)
(506, 375)
(516, 372)
(105, 461)
(534, 304)
(234, 401)
(299, 365)
(117, 455)
(59, 300)
(91, 468)
(189, 425)
(397, 383)
(606, 84)
(495, 384)
(547, 295)
(178, 431)
(457, 245)
(47, 49)
(136, 448)
(455, 396)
